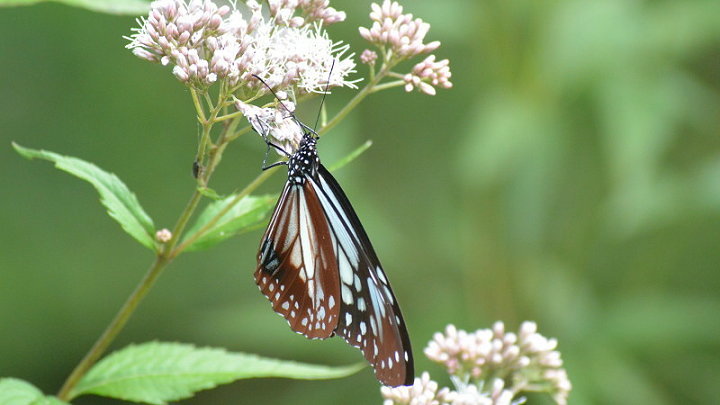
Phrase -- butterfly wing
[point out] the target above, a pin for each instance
(297, 266)
(370, 317)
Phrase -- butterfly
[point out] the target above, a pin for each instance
(319, 270)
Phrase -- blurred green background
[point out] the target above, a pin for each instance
(571, 177)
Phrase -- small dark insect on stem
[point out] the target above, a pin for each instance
(196, 169)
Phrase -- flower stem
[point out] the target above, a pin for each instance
(163, 258)
(366, 91)
(388, 85)
(113, 329)
(245, 192)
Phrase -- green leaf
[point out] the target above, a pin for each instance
(19, 392)
(131, 7)
(246, 213)
(121, 204)
(209, 193)
(156, 372)
(352, 156)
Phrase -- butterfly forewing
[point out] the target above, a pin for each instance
(296, 265)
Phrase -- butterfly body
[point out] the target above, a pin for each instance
(320, 271)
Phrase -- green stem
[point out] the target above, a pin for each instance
(364, 92)
(163, 258)
(245, 192)
(237, 134)
(198, 105)
(388, 85)
(113, 329)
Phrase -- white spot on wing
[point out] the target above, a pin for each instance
(381, 274)
(346, 271)
(347, 295)
(305, 237)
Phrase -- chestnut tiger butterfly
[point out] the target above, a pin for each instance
(319, 270)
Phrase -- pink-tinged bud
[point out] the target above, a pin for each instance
(163, 235)
(142, 53)
(181, 74)
(215, 22)
(431, 46)
(368, 57)
(296, 22)
(427, 89)
(365, 33)
(183, 38)
(164, 43)
(171, 30)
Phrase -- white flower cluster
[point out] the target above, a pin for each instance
(207, 43)
(527, 359)
(404, 34)
(399, 37)
(311, 11)
(425, 391)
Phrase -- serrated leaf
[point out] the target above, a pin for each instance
(18, 392)
(121, 203)
(244, 214)
(129, 7)
(157, 372)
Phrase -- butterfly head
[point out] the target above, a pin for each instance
(305, 160)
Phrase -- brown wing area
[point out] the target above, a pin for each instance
(297, 269)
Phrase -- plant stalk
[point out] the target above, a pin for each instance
(113, 329)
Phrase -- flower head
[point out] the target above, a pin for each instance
(427, 74)
(163, 235)
(295, 13)
(206, 43)
(302, 56)
(368, 57)
(527, 358)
(424, 391)
(403, 33)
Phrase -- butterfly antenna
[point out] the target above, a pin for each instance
(274, 94)
(322, 102)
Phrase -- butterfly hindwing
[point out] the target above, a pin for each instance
(370, 318)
